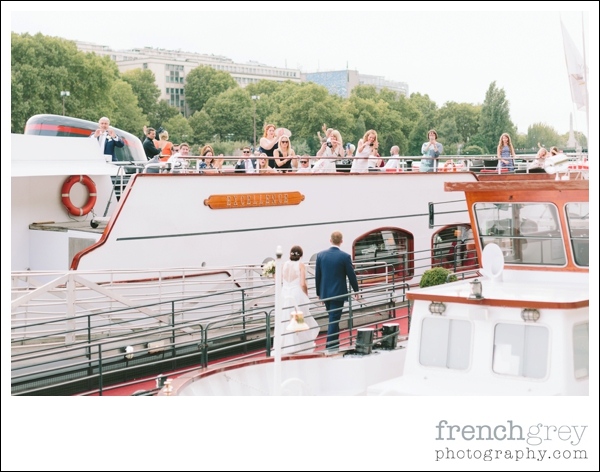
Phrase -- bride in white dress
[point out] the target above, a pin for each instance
(294, 293)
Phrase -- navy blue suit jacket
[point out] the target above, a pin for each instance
(111, 144)
(333, 267)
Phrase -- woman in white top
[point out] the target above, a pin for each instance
(363, 151)
(330, 149)
(294, 292)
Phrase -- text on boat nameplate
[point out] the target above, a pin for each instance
(253, 200)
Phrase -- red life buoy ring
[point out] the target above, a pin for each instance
(66, 198)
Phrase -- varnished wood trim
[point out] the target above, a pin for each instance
(495, 302)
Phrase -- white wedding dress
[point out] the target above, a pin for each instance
(292, 295)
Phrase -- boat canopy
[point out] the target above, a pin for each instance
(33, 156)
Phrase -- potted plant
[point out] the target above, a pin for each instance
(436, 276)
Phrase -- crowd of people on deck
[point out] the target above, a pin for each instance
(275, 154)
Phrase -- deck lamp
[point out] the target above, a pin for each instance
(530, 314)
(476, 290)
(437, 308)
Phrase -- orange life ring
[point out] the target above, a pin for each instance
(66, 197)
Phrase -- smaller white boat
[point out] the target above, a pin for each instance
(520, 328)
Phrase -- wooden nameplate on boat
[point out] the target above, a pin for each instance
(253, 200)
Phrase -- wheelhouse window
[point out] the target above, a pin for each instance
(527, 233)
(454, 248)
(581, 350)
(521, 350)
(578, 219)
(385, 251)
(445, 343)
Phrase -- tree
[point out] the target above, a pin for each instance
(143, 84)
(179, 129)
(448, 132)
(43, 66)
(203, 129)
(204, 82)
(479, 141)
(231, 114)
(543, 134)
(423, 103)
(127, 115)
(419, 135)
(465, 115)
(162, 113)
(495, 117)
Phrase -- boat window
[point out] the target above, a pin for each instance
(527, 233)
(384, 251)
(521, 350)
(454, 248)
(579, 231)
(581, 350)
(445, 343)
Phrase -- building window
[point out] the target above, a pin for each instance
(581, 350)
(521, 350)
(445, 343)
(384, 251)
(145, 66)
(454, 248)
(579, 231)
(527, 233)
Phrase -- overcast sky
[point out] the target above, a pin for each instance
(449, 55)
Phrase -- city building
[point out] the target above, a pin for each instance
(341, 82)
(171, 67)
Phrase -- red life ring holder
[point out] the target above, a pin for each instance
(66, 197)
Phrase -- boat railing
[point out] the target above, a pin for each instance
(112, 330)
(444, 163)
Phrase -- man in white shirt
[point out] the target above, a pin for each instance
(304, 165)
(178, 160)
(107, 138)
(394, 161)
(245, 164)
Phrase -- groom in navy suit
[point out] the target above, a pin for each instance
(107, 138)
(333, 267)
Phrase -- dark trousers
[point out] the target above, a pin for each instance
(334, 308)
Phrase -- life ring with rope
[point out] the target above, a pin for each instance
(66, 194)
(449, 166)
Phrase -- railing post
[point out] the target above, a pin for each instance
(100, 369)
(268, 333)
(350, 324)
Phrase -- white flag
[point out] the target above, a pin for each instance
(575, 69)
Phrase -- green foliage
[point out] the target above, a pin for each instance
(143, 84)
(43, 66)
(543, 134)
(495, 117)
(179, 129)
(127, 115)
(231, 114)
(161, 114)
(473, 151)
(418, 135)
(479, 140)
(423, 104)
(465, 115)
(202, 127)
(435, 276)
(203, 83)
(448, 132)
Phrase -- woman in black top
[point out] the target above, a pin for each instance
(283, 155)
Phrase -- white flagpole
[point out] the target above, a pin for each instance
(587, 97)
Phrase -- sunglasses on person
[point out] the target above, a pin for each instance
(284, 142)
(303, 162)
(246, 152)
